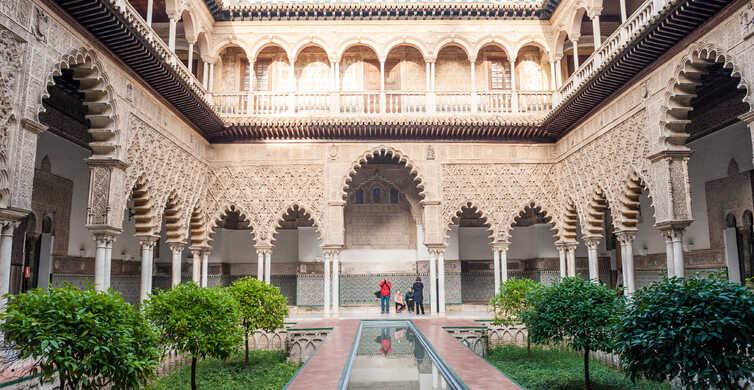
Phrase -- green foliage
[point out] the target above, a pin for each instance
(201, 321)
(266, 371)
(90, 338)
(560, 370)
(575, 312)
(511, 300)
(700, 330)
(262, 306)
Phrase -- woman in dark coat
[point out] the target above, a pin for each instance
(419, 295)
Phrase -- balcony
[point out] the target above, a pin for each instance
(390, 103)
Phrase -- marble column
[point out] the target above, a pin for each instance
(100, 260)
(623, 15)
(147, 258)
(171, 38)
(327, 277)
(205, 76)
(596, 30)
(668, 236)
(205, 267)
(260, 265)
(571, 258)
(592, 243)
(383, 99)
(678, 265)
(626, 239)
(268, 266)
(433, 281)
(335, 282)
(575, 44)
(196, 266)
(496, 268)
(503, 263)
(191, 57)
(109, 262)
(441, 281)
(6, 251)
(150, 7)
(176, 248)
(558, 73)
(211, 83)
(553, 85)
(562, 256)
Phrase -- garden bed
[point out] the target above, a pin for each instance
(267, 370)
(560, 370)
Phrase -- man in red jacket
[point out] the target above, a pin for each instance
(385, 296)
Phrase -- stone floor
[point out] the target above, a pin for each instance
(326, 366)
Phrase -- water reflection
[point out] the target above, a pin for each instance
(393, 358)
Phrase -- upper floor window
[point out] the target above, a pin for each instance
(393, 195)
(498, 73)
(262, 76)
(376, 195)
(359, 197)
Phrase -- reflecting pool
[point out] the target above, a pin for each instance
(394, 355)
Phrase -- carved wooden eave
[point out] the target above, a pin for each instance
(121, 36)
(339, 10)
(674, 24)
(523, 128)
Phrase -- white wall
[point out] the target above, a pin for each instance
(710, 159)
(532, 242)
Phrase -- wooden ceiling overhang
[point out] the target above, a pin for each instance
(674, 24)
(122, 37)
(382, 10)
(524, 128)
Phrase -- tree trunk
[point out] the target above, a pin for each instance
(587, 382)
(246, 337)
(193, 372)
(528, 347)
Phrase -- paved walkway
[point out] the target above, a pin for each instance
(326, 366)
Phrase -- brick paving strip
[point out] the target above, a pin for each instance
(324, 369)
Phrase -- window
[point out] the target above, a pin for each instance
(359, 197)
(393, 195)
(262, 76)
(376, 195)
(499, 73)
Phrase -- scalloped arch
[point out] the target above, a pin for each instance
(99, 97)
(550, 217)
(216, 218)
(489, 220)
(681, 88)
(301, 206)
(363, 160)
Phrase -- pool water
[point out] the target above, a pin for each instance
(394, 355)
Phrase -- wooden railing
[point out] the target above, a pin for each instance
(611, 47)
(391, 103)
(163, 50)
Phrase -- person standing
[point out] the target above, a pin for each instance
(419, 295)
(385, 296)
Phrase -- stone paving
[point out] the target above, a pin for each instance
(326, 366)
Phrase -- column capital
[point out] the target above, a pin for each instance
(500, 246)
(472, 60)
(567, 245)
(33, 126)
(264, 249)
(332, 250)
(574, 39)
(436, 249)
(626, 237)
(674, 154)
(593, 241)
(104, 233)
(593, 12)
(672, 227)
(148, 241)
(176, 246)
(430, 59)
(106, 162)
(196, 251)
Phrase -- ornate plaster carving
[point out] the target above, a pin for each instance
(11, 55)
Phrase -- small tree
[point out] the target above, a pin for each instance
(262, 306)
(699, 330)
(90, 339)
(203, 322)
(576, 312)
(510, 301)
